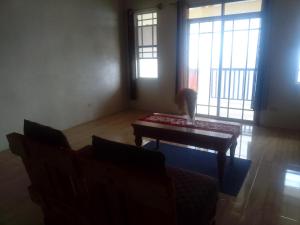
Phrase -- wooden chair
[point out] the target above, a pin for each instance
(76, 189)
(120, 196)
(81, 189)
(54, 180)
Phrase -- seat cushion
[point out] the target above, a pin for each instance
(129, 155)
(44, 134)
(196, 197)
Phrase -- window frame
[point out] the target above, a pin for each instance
(137, 46)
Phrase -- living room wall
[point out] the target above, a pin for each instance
(281, 94)
(60, 62)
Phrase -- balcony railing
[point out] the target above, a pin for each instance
(236, 83)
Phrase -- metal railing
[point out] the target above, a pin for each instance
(236, 83)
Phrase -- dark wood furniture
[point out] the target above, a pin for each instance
(85, 188)
(53, 175)
(213, 140)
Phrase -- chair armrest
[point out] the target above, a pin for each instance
(16, 144)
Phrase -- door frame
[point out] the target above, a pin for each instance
(223, 18)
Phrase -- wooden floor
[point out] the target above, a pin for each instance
(270, 194)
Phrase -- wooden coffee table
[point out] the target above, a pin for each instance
(216, 139)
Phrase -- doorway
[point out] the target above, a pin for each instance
(223, 55)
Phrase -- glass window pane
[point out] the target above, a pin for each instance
(250, 81)
(225, 85)
(154, 35)
(255, 23)
(216, 52)
(213, 111)
(140, 36)
(239, 52)
(298, 78)
(147, 16)
(147, 49)
(147, 35)
(228, 25)
(252, 49)
(235, 114)
(223, 112)
(217, 26)
(147, 22)
(236, 104)
(194, 28)
(243, 7)
(205, 27)
(148, 68)
(224, 103)
(213, 102)
(202, 109)
(214, 87)
(299, 72)
(193, 55)
(248, 115)
(241, 24)
(227, 49)
(205, 11)
(204, 54)
(147, 55)
(248, 105)
(154, 15)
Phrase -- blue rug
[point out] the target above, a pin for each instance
(205, 163)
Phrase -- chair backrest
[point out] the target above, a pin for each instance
(120, 196)
(45, 134)
(54, 179)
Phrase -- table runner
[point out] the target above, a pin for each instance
(173, 120)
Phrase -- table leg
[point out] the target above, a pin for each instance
(221, 165)
(157, 143)
(138, 141)
(232, 150)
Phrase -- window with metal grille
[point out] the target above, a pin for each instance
(146, 45)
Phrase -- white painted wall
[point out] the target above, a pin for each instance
(281, 94)
(60, 62)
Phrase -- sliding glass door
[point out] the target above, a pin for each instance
(223, 61)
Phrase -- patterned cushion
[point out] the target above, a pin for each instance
(196, 197)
